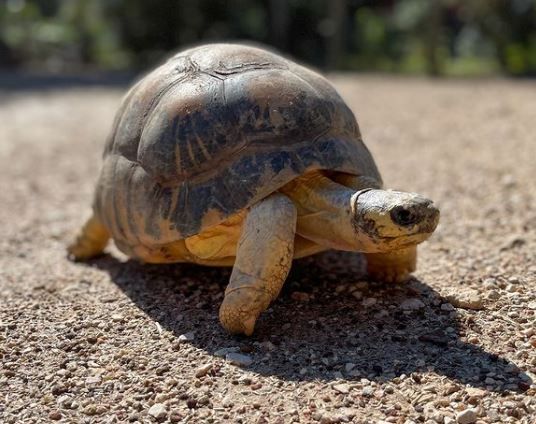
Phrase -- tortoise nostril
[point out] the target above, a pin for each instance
(402, 216)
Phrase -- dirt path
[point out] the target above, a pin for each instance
(114, 341)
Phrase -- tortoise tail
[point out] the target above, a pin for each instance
(90, 242)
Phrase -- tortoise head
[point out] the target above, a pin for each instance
(387, 220)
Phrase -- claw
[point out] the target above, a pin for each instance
(234, 320)
(249, 325)
(234, 324)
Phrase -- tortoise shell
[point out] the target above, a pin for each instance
(213, 130)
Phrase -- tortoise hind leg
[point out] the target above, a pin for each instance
(91, 240)
(263, 259)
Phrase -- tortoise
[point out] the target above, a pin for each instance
(231, 155)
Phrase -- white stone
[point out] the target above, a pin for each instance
(187, 337)
(342, 388)
(158, 411)
(93, 380)
(468, 416)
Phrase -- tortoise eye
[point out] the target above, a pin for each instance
(403, 216)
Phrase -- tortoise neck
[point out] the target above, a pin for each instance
(325, 212)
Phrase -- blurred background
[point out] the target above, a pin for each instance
(435, 37)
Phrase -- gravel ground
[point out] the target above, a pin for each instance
(115, 341)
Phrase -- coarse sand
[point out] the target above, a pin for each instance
(115, 341)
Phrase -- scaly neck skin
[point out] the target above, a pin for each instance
(325, 212)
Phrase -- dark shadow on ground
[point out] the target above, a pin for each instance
(11, 81)
(323, 334)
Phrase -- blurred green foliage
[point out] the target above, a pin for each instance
(452, 37)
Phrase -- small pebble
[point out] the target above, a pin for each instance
(513, 242)
(268, 345)
(490, 283)
(300, 296)
(357, 294)
(340, 288)
(511, 288)
(337, 375)
(367, 391)
(186, 337)
(63, 401)
(54, 415)
(90, 409)
(342, 388)
(447, 307)
(493, 415)
(412, 304)
(442, 401)
(360, 285)
(369, 301)
(203, 370)
(225, 350)
(467, 416)
(227, 402)
(493, 295)
(90, 381)
(475, 392)
(175, 417)
(466, 300)
(161, 397)
(450, 388)
(239, 359)
(381, 314)
(71, 366)
(529, 332)
(158, 411)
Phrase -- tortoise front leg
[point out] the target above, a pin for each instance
(91, 240)
(392, 267)
(263, 260)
